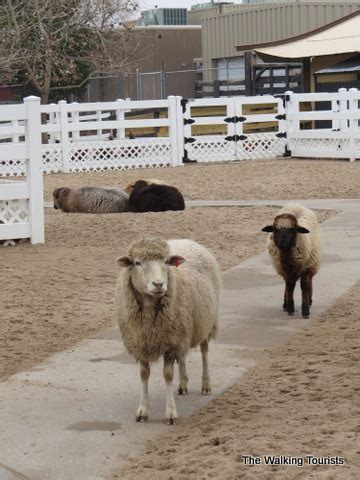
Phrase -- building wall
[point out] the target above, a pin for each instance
(317, 63)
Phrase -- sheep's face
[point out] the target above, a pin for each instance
(284, 231)
(150, 277)
(59, 194)
(149, 261)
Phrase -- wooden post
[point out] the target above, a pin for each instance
(248, 74)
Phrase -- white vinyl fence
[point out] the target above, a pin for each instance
(21, 203)
(323, 125)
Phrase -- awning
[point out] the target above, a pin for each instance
(350, 65)
(341, 36)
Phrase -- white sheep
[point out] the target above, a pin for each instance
(91, 200)
(163, 311)
(295, 246)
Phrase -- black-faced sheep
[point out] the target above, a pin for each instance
(163, 311)
(150, 181)
(295, 246)
(155, 198)
(91, 200)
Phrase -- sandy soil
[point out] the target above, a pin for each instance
(59, 293)
(264, 179)
(302, 400)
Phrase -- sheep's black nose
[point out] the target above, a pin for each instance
(158, 284)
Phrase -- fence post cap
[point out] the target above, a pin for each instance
(31, 98)
(289, 92)
(62, 102)
(353, 89)
(342, 89)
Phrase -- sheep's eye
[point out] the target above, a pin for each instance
(138, 264)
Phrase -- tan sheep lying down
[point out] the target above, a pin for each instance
(163, 311)
(295, 246)
(91, 200)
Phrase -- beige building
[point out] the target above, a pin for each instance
(226, 26)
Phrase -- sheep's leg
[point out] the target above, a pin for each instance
(205, 384)
(170, 412)
(285, 302)
(306, 291)
(183, 389)
(142, 411)
(290, 287)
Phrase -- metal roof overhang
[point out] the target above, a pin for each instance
(348, 66)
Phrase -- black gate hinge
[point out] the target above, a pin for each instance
(188, 121)
(281, 134)
(235, 138)
(281, 117)
(183, 103)
(234, 119)
(189, 140)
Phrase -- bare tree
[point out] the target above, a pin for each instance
(52, 43)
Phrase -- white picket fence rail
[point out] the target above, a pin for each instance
(21, 203)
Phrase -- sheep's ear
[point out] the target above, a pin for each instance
(302, 229)
(175, 261)
(268, 228)
(125, 261)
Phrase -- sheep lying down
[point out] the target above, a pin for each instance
(91, 200)
(167, 301)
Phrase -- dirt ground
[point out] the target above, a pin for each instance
(265, 179)
(303, 400)
(61, 292)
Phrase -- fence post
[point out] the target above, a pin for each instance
(64, 136)
(291, 123)
(343, 124)
(180, 130)
(75, 135)
(353, 122)
(173, 131)
(34, 174)
(120, 118)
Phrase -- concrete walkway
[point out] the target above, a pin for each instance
(72, 417)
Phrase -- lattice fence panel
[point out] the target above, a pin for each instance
(211, 148)
(52, 158)
(12, 168)
(14, 211)
(320, 147)
(120, 154)
(260, 146)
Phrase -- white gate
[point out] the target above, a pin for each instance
(324, 125)
(237, 128)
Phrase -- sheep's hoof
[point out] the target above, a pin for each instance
(171, 421)
(290, 313)
(306, 316)
(182, 391)
(142, 418)
(206, 391)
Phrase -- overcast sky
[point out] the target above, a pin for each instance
(147, 4)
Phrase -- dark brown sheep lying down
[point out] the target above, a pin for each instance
(91, 200)
(155, 198)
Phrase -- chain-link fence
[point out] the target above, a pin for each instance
(195, 83)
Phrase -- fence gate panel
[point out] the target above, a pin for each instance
(237, 128)
(209, 129)
(260, 127)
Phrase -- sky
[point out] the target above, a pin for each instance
(148, 4)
